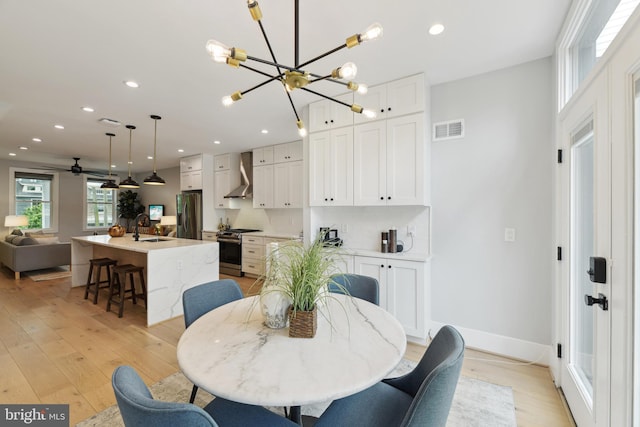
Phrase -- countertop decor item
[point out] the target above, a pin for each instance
(302, 274)
(117, 230)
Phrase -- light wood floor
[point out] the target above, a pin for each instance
(57, 347)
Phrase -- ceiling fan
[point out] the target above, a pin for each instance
(76, 169)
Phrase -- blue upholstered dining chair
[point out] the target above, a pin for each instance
(201, 299)
(363, 287)
(420, 398)
(139, 409)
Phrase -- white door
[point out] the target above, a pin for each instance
(585, 199)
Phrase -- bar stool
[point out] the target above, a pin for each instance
(118, 287)
(93, 286)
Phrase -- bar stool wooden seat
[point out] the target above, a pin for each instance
(118, 286)
(93, 281)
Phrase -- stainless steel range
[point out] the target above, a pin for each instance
(230, 242)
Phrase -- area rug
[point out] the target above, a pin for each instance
(48, 274)
(475, 404)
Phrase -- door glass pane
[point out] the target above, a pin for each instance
(602, 22)
(582, 229)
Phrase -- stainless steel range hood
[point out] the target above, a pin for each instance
(245, 190)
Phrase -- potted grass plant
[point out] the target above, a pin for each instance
(302, 274)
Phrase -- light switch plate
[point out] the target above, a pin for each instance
(509, 234)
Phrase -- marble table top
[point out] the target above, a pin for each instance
(231, 354)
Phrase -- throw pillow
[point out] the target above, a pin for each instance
(24, 241)
(46, 240)
(17, 232)
(10, 238)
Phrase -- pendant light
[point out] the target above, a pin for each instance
(129, 182)
(110, 184)
(154, 179)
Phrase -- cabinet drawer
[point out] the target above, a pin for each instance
(256, 240)
(253, 266)
(209, 236)
(252, 251)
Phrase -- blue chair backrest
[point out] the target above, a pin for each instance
(433, 381)
(201, 299)
(363, 287)
(139, 409)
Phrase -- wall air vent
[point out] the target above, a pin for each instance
(448, 130)
(109, 122)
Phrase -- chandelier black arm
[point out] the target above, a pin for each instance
(271, 78)
(323, 55)
(275, 64)
(327, 78)
(325, 97)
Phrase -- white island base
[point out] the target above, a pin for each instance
(170, 267)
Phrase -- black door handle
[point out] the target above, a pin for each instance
(602, 301)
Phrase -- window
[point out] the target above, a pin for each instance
(592, 26)
(34, 194)
(100, 205)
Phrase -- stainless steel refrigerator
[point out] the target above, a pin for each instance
(189, 215)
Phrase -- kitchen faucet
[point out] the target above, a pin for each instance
(136, 234)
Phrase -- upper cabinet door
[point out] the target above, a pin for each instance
(191, 163)
(405, 96)
(326, 114)
(222, 162)
(406, 161)
(370, 164)
(263, 156)
(289, 152)
(375, 99)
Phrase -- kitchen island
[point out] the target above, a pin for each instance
(171, 266)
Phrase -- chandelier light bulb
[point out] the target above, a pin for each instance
(362, 89)
(348, 71)
(369, 114)
(372, 32)
(218, 51)
(227, 101)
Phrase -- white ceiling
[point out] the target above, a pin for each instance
(58, 56)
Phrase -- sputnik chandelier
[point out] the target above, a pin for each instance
(295, 77)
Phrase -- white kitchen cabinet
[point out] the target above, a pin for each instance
(191, 173)
(226, 177)
(263, 187)
(191, 180)
(222, 162)
(288, 152)
(288, 179)
(326, 114)
(403, 290)
(191, 163)
(263, 156)
(331, 168)
(390, 162)
(397, 98)
(253, 255)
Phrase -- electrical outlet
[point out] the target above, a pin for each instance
(411, 230)
(509, 234)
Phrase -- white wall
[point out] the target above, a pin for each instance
(499, 175)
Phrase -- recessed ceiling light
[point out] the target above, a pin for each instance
(436, 29)
(180, 150)
(58, 126)
(264, 131)
(12, 154)
(36, 139)
(131, 83)
(150, 157)
(88, 109)
(216, 142)
(24, 148)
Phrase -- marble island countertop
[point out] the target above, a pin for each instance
(146, 243)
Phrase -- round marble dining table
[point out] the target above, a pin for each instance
(230, 353)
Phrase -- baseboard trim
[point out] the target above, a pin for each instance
(505, 346)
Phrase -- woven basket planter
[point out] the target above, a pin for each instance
(303, 324)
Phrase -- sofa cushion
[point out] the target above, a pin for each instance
(39, 234)
(46, 240)
(24, 241)
(10, 238)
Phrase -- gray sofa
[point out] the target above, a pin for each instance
(30, 255)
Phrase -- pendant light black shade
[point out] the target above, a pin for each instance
(154, 179)
(129, 182)
(110, 184)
